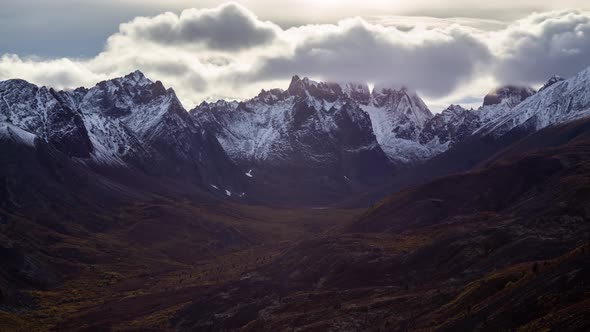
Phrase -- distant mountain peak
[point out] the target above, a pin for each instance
(358, 92)
(271, 96)
(403, 100)
(454, 108)
(387, 87)
(305, 87)
(17, 82)
(563, 102)
(138, 77)
(389, 92)
(510, 95)
(554, 79)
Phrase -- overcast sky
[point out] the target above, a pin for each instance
(452, 51)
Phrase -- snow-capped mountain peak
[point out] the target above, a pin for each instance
(448, 127)
(323, 91)
(133, 99)
(398, 115)
(136, 78)
(510, 95)
(312, 128)
(128, 121)
(43, 112)
(561, 101)
(455, 123)
(453, 109)
(402, 101)
(554, 79)
(359, 92)
(343, 130)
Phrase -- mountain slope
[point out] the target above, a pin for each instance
(398, 116)
(503, 247)
(449, 127)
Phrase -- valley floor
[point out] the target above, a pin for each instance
(306, 270)
(139, 278)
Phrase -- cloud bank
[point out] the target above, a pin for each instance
(228, 28)
(228, 52)
(544, 44)
(435, 61)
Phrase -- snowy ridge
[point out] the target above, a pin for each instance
(128, 121)
(25, 105)
(16, 134)
(39, 111)
(332, 134)
(111, 140)
(134, 100)
(45, 113)
(261, 128)
(359, 92)
(508, 95)
(404, 102)
(248, 132)
(397, 117)
(560, 102)
(510, 107)
(449, 127)
(313, 132)
(455, 123)
(277, 124)
(554, 79)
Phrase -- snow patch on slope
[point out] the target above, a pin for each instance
(110, 139)
(397, 117)
(16, 134)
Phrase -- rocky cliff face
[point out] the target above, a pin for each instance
(452, 125)
(398, 115)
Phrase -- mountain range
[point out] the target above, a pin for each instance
(325, 206)
(315, 143)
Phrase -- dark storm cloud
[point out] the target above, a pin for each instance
(229, 27)
(436, 64)
(545, 44)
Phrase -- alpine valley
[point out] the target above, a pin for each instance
(322, 207)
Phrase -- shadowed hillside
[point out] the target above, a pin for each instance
(505, 246)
